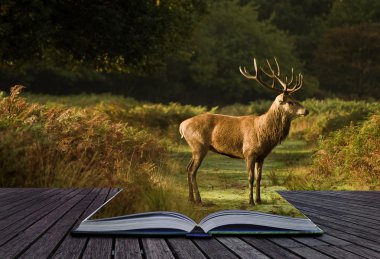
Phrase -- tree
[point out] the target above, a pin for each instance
(229, 37)
(348, 60)
(304, 20)
(351, 12)
(106, 35)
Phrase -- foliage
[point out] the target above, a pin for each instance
(159, 119)
(106, 35)
(238, 109)
(354, 12)
(348, 60)
(57, 146)
(350, 156)
(302, 19)
(228, 37)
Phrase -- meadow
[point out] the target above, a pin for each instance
(108, 140)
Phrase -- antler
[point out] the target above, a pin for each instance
(275, 76)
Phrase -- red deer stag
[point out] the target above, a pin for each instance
(248, 137)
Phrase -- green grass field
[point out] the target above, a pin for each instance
(223, 181)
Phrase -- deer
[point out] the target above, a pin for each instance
(249, 137)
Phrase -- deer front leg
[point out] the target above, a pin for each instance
(258, 170)
(250, 163)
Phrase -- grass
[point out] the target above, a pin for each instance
(223, 181)
(106, 140)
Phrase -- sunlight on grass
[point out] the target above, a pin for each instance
(223, 181)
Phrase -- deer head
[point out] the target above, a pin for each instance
(284, 100)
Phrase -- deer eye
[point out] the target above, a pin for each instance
(291, 103)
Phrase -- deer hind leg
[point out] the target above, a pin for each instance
(189, 170)
(250, 163)
(198, 158)
(258, 170)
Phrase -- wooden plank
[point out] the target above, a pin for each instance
(327, 248)
(20, 196)
(46, 243)
(6, 192)
(241, 248)
(9, 209)
(104, 242)
(356, 249)
(311, 241)
(98, 247)
(361, 251)
(156, 248)
(27, 220)
(340, 215)
(354, 197)
(332, 240)
(184, 248)
(298, 248)
(356, 223)
(344, 199)
(213, 249)
(347, 235)
(361, 231)
(20, 242)
(269, 248)
(298, 201)
(126, 248)
(371, 212)
(73, 246)
(16, 213)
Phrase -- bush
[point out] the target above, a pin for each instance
(351, 155)
(158, 119)
(329, 115)
(348, 158)
(56, 146)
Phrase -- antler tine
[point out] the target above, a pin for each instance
(291, 80)
(298, 85)
(245, 73)
(275, 76)
(278, 67)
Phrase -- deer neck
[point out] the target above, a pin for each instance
(277, 124)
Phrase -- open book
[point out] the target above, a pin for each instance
(104, 221)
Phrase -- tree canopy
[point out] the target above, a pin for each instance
(188, 50)
(103, 34)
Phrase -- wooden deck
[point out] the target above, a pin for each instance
(36, 223)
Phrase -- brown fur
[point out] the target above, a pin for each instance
(247, 137)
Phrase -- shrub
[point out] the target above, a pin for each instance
(56, 146)
(329, 115)
(348, 158)
(158, 119)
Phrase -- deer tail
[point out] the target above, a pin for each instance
(181, 130)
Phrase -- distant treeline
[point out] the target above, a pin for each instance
(189, 51)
